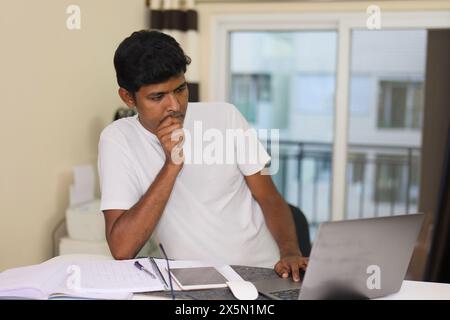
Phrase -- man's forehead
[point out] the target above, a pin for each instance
(168, 85)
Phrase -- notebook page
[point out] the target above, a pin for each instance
(62, 290)
(117, 276)
(34, 282)
(59, 266)
(42, 280)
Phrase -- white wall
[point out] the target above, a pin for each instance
(58, 91)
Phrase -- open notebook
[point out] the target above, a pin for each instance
(92, 277)
(51, 279)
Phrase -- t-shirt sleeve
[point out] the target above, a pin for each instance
(251, 155)
(119, 183)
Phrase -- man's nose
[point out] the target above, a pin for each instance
(173, 103)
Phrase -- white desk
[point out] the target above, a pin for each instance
(419, 290)
(410, 290)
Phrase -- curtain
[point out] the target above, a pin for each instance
(181, 23)
(438, 267)
(435, 176)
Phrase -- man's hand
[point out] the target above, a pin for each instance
(280, 222)
(291, 264)
(171, 137)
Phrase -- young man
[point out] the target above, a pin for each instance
(207, 210)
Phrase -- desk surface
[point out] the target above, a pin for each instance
(420, 290)
(410, 290)
(247, 273)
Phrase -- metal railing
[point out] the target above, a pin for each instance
(381, 180)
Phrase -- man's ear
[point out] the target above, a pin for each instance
(127, 97)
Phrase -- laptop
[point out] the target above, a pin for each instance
(353, 259)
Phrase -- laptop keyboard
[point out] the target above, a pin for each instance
(291, 294)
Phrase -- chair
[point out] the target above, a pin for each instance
(302, 229)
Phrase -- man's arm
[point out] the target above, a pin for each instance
(128, 230)
(279, 220)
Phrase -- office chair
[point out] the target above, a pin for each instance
(302, 228)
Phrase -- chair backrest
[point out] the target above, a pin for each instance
(302, 228)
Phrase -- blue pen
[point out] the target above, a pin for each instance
(141, 267)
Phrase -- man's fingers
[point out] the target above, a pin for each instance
(176, 136)
(305, 264)
(168, 121)
(164, 130)
(295, 271)
(165, 123)
(168, 130)
(289, 266)
(169, 144)
(282, 269)
(165, 139)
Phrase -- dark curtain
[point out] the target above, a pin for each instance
(438, 268)
(436, 148)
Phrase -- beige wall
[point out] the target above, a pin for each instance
(58, 91)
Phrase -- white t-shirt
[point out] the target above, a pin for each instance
(211, 214)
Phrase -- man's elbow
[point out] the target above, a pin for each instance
(119, 252)
(121, 255)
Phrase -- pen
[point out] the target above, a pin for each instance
(168, 270)
(155, 268)
(141, 267)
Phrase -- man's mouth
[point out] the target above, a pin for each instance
(179, 115)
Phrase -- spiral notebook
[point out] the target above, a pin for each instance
(50, 279)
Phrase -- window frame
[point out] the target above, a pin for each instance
(341, 22)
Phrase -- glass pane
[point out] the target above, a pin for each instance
(386, 112)
(286, 81)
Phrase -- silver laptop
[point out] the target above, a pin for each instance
(353, 259)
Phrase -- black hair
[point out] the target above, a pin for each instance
(148, 57)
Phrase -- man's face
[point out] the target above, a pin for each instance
(156, 102)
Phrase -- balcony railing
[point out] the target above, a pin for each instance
(381, 180)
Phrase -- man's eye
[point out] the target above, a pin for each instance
(157, 98)
(181, 89)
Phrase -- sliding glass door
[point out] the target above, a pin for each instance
(286, 81)
(385, 122)
(348, 102)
